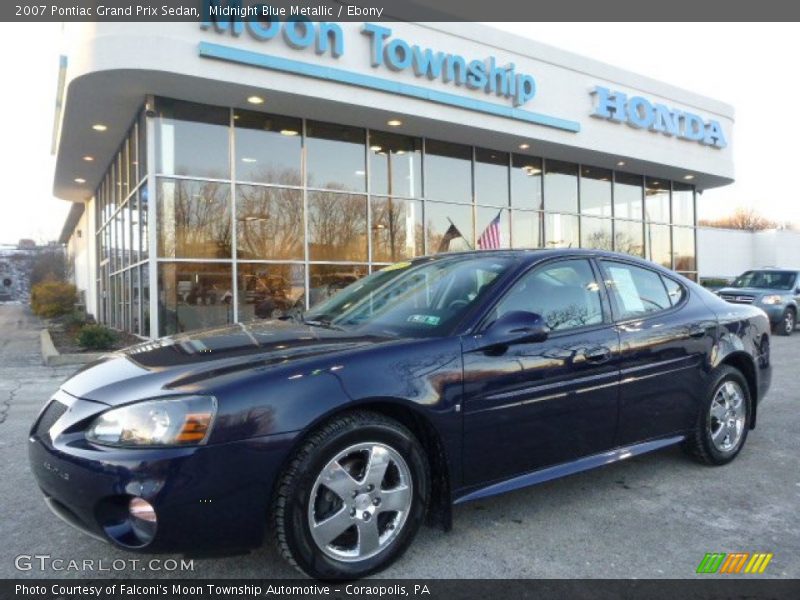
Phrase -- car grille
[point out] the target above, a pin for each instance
(52, 413)
(737, 299)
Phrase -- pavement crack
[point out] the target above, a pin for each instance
(5, 405)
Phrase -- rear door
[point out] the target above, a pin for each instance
(665, 336)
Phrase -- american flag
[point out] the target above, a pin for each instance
(490, 238)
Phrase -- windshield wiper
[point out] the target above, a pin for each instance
(322, 322)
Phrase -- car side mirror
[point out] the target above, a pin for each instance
(516, 327)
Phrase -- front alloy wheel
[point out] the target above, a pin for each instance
(352, 497)
(360, 501)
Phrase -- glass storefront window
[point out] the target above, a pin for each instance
(561, 186)
(335, 157)
(122, 180)
(448, 171)
(326, 280)
(112, 300)
(448, 227)
(484, 219)
(126, 301)
(145, 292)
(112, 226)
(682, 204)
(269, 223)
(657, 244)
(337, 227)
(194, 219)
(136, 300)
(395, 165)
(596, 192)
(396, 229)
(541, 203)
(136, 242)
(144, 217)
(527, 229)
(526, 182)
(125, 168)
(194, 296)
(596, 233)
(192, 139)
(113, 191)
(491, 177)
(141, 157)
(268, 148)
(269, 291)
(561, 231)
(125, 233)
(628, 194)
(629, 237)
(656, 204)
(683, 248)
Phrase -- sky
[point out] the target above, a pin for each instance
(750, 66)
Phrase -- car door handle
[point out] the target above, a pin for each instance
(697, 331)
(597, 355)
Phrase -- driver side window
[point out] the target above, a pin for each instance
(564, 293)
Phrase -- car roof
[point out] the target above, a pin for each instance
(529, 255)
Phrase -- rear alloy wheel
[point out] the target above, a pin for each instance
(788, 322)
(353, 497)
(724, 421)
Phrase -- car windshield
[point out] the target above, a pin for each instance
(422, 300)
(772, 280)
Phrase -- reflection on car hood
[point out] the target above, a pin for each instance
(179, 364)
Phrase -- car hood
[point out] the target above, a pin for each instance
(184, 363)
(745, 291)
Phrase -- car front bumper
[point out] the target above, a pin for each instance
(206, 497)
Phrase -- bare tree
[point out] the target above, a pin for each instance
(747, 219)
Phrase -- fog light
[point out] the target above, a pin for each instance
(141, 509)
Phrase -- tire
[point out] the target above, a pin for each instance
(727, 402)
(326, 488)
(787, 323)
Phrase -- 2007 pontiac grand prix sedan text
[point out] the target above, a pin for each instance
(431, 382)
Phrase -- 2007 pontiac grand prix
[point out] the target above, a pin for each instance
(427, 384)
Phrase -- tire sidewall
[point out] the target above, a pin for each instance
(298, 534)
(787, 315)
(718, 456)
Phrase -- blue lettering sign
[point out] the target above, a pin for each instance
(263, 23)
(638, 112)
(398, 55)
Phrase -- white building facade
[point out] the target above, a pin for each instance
(240, 170)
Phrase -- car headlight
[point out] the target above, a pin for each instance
(182, 421)
(772, 299)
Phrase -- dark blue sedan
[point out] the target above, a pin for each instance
(427, 384)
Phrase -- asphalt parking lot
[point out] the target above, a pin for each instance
(649, 517)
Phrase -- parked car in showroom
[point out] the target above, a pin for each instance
(430, 383)
(775, 291)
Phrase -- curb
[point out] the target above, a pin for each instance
(53, 358)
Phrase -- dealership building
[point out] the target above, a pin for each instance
(223, 172)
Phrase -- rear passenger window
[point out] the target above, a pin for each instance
(675, 290)
(637, 291)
